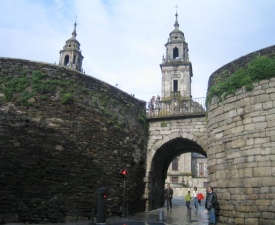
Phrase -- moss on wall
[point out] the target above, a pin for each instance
(259, 68)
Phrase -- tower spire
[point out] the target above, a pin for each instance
(176, 68)
(176, 25)
(71, 55)
(74, 31)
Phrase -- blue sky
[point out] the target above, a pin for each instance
(123, 40)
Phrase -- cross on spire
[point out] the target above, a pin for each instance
(74, 31)
(176, 25)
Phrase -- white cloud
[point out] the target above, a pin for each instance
(123, 41)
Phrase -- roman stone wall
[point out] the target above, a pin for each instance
(241, 153)
(63, 135)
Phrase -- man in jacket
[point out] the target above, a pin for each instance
(168, 195)
(211, 200)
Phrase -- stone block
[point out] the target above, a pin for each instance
(252, 182)
(259, 119)
(220, 174)
(237, 129)
(236, 183)
(232, 113)
(268, 181)
(266, 222)
(260, 125)
(10, 218)
(239, 221)
(262, 140)
(250, 221)
(263, 202)
(238, 143)
(262, 172)
(249, 109)
(268, 215)
(249, 127)
(264, 190)
(265, 151)
(247, 120)
(263, 208)
(245, 172)
(252, 197)
(265, 162)
(243, 208)
(263, 98)
(241, 214)
(267, 105)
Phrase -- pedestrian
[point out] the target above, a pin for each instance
(152, 105)
(188, 199)
(211, 200)
(158, 102)
(195, 197)
(168, 195)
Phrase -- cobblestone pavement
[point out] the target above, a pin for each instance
(176, 216)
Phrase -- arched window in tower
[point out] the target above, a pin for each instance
(175, 52)
(74, 59)
(66, 61)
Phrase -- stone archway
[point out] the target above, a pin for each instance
(163, 150)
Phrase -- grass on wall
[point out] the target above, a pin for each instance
(259, 68)
(34, 88)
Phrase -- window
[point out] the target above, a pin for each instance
(175, 52)
(175, 164)
(201, 169)
(66, 61)
(174, 179)
(175, 86)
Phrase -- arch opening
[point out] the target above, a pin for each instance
(160, 163)
(175, 52)
(66, 61)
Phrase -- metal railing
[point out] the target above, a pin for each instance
(176, 107)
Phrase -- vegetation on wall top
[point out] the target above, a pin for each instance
(259, 68)
(35, 89)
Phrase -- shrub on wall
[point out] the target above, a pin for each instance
(259, 68)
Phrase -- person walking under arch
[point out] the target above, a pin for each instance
(168, 195)
(195, 197)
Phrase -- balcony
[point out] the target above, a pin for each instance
(176, 107)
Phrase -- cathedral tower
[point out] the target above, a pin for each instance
(175, 68)
(71, 54)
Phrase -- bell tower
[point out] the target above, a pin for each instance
(71, 55)
(176, 68)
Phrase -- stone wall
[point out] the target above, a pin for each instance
(241, 153)
(63, 135)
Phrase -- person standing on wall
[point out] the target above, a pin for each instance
(195, 197)
(168, 195)
(152, 106)
(211, 200)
